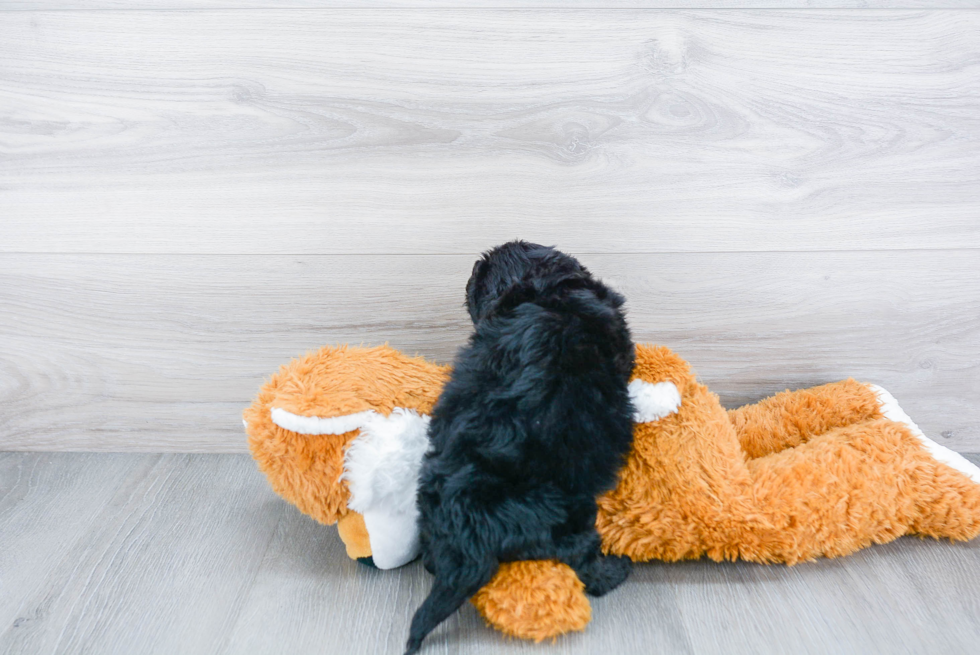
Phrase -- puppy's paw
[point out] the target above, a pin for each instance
(605, 574)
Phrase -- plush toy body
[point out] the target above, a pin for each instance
(816, 472)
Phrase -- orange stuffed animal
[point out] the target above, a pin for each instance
(825, 471)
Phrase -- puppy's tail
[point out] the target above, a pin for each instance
(445, 598)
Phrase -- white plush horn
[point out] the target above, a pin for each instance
(317, 425)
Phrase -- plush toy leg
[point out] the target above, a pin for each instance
(685, 486)
(891, 410)
(853, 486)
(790, 418)
(534, 600)
(353, 532)
(945, 516)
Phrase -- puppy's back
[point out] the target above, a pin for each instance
(544, 383)
(534, 423)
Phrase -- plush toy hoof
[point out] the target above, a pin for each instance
(534, 600)
(367, 561)
(891, 410)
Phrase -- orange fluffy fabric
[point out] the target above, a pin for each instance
(305, 469)
(809, 473)
(534, 600)
(804, 474)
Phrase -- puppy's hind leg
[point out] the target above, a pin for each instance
(604, 573)
(599, 573)
(450, 590)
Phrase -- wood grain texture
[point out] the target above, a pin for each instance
(165, 560)
(194, 554)
(48, 5)
(136, 352)
(47, 505)
(332, 131)
(890, 598)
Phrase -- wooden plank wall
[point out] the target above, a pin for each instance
(190, 198)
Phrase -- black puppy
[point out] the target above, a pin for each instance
(532, 426)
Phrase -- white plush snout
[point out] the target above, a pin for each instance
(381, 467)
(652, 402)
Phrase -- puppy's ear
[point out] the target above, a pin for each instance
(474, 288)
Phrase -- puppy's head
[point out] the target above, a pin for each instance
(512, 265)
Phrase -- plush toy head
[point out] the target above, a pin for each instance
(815, 472)
(340, 434)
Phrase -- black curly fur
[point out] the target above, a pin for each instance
(533, 425)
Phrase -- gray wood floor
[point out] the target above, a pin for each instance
(166, 553)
